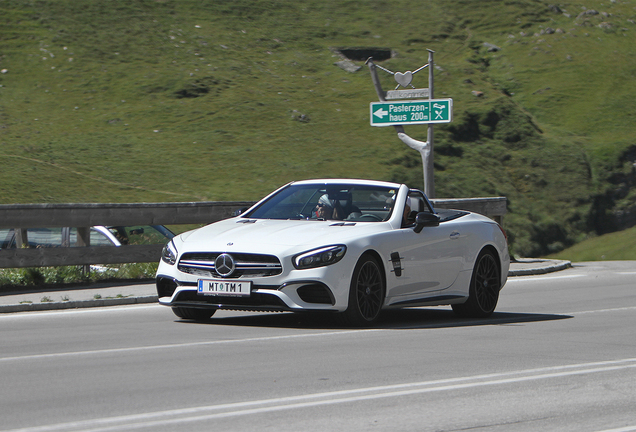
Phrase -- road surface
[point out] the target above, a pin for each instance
(559, 354)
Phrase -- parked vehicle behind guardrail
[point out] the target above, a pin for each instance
(99, 236)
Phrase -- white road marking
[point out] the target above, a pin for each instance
(623, 429)
(245, 340)
(601, 310)
(211, 412)
(180, 346)
(82, 311)
(539, 278)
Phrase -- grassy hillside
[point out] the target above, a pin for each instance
(166, 100)
(608, 247)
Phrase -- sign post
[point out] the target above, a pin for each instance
(398, 113)
(429, 186)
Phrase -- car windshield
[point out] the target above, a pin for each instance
(348, 202)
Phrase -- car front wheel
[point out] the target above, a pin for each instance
(366, 293)
(193, 314)
(484, 288)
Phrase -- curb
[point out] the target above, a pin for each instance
(541, 268)
(28, 307)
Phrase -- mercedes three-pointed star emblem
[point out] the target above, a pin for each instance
(224, 265)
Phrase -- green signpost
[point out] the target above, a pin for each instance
(411, 112)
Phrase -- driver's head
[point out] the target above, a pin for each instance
(324, 208)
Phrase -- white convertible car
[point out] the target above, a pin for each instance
(354, 247)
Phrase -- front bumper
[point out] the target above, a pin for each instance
(301, 295)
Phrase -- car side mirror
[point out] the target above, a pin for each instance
(425, 219)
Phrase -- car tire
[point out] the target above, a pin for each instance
(193, 314)
(485, 284)
(366, 293)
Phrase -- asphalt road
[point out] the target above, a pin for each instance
(559, 354)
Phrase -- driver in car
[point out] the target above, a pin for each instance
(327, 208)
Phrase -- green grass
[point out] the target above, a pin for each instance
(608, 247)
(92, 105)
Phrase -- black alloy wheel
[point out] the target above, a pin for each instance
(484, 288)
(366, 293)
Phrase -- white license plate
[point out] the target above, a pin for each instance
(224, 287)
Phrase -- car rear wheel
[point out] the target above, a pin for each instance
(366, 293)
(193, 314)
(484, 288)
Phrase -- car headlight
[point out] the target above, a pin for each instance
(323, 256)
(169, 253)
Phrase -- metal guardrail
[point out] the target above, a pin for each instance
(83, 216)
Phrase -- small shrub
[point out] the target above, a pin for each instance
(46, 276)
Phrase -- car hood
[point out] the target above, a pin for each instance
(270, 236)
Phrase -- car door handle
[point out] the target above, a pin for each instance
(454, 235)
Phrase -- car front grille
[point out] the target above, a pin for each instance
(247, 265)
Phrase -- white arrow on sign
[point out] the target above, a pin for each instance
(380, 113)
